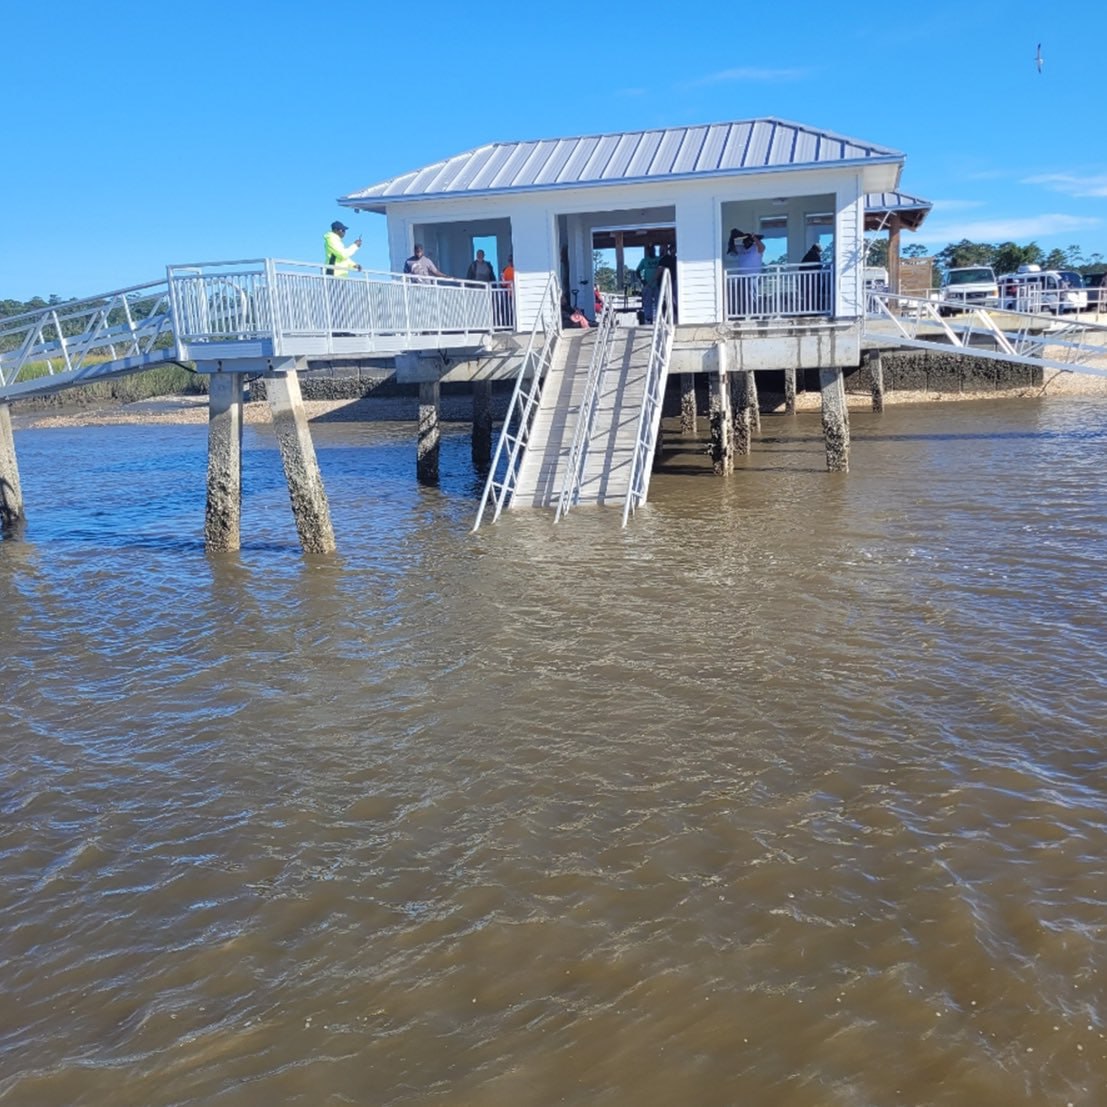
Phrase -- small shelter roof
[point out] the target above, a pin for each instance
(718, 149)
(880, 206)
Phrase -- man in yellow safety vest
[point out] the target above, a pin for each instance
(337, 255)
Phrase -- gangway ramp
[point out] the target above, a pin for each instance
(250, 315)
(1025, 338)
(611, 432)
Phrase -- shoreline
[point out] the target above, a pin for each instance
(187, 410)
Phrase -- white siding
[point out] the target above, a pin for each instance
(532, 231)
(849, 247)
(698, 267)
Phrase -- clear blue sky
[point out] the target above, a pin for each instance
(144, 134)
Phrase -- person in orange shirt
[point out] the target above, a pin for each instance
(508, 306)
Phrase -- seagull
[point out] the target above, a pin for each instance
(1038, 57)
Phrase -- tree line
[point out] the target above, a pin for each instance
(1004, 257)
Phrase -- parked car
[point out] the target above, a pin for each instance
(972, 285)
(1095, 285)
(1035, 289)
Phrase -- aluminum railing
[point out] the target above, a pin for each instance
(578, 452)
(1025, 337)
(503, 476)
(649, 416)
(76, 334)
(780, 290)
(286, 301)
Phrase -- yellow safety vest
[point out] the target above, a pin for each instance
(337, 255)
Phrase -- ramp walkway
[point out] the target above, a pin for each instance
(1026, 338)
(239, 311)
(588, 430)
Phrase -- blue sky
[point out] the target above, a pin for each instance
(144, 134)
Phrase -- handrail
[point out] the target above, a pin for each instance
(649, 416)
(524, 403)
(578, 452)
(1027, 339)
(129, 319)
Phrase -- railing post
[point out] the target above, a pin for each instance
(275, 330)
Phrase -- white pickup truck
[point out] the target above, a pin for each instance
(972, 286)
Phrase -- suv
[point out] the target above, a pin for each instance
(1035, 289)
(973, 286)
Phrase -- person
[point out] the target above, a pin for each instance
(743, 259)
(668, 261)
(814, 256)
(509, 272)
(480, 270)
(812, 294)
(421, 267)
(572, 316)
(336, 254)
(649, 274)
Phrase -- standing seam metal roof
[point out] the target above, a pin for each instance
(745, 146)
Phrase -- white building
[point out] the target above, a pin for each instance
(550, 203)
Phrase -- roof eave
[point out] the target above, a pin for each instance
(378, 204)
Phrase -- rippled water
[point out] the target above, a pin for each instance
(793, 793)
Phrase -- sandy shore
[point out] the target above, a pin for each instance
(194, 409)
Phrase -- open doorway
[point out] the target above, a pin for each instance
(618, 254)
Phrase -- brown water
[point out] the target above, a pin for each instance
(793, 793)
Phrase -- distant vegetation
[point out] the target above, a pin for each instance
(1006, 257)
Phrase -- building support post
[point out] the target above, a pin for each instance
(427, 447)
(11, 494)
(722, 435)
(789, 391)
(753, 401)
(894, 226)
(223, 515)
(876, 377)
(688, 404)
(835, 419)
(482, 422)
(740, 412)
(301, 467)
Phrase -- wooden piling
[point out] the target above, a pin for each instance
(740, 412)
(754, 401)
(11, 493)
(688, 404)
(835, 419)
(789, 391)
(301, 467)
(429, 437)
(482, 422)
(223, 515)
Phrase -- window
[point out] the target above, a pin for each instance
(774, 231)
(819, 229)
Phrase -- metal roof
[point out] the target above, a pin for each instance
(747, 146)
(910, 209)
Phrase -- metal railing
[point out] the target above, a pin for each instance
(578, 452)
(287, 301)
(649, 417)
(504, 473)
(780, 290)
(76, 334)
(1025, 337)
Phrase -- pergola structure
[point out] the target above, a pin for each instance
(891, 212)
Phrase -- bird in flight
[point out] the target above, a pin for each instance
(1038, 57)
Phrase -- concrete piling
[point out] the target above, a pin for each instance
(427, 447)
(482, 422)
(688, 404)
(740, 412)
(722, 435)
(835, 420)
(223, 515)
(308, 497)
(11, 494)
(876, 376)
(789, 391)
